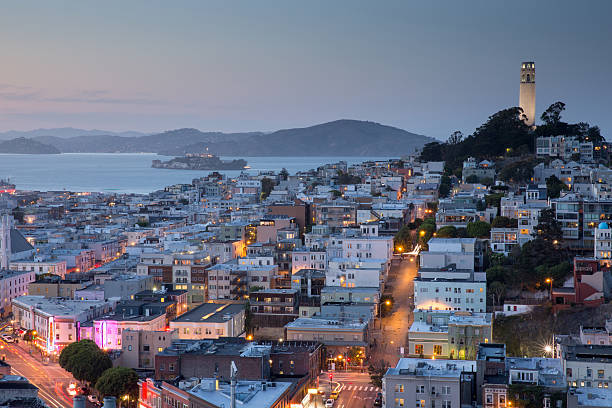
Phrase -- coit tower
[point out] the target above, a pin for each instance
(527, 91)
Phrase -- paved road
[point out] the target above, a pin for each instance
(356, 391)
(395, 327)
(50, 379)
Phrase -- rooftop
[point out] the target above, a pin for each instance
(313, 323)
(593, 397)
(211, 313)
(58, 307)
(432, 368)
(249, 394)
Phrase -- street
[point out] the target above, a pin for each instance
(50, 378)
(394, 334)
(355, 389)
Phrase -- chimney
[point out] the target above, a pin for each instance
(110, 402)
(79, 401)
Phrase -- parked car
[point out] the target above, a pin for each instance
(329, 403)
(334, 395)
(7, 338)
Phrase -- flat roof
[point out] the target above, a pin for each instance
(210, 313)
(312, 323)
(56, 306)
(593, 397)
(432, 368)
(248, 393)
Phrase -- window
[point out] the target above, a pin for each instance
(589, 372)
(502, 398)
(437, 349)
(171, 367)
(446, 404)
(489, 398)
(420, 389)
(399, 388)
(145, 347)
(418, 349)
(600, 373)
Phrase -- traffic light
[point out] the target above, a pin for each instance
(331, 376)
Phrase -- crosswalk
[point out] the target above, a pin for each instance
(364, 388)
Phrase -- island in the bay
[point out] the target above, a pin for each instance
(200, 161)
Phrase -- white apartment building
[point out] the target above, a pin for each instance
(367, 247)
(503, 240)
(603, 242)
(450, 289)
(304, 258)
(211, 321)
(350, 273)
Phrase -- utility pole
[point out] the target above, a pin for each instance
(233, 375)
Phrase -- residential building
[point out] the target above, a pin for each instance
(429, 383)
(211, 321)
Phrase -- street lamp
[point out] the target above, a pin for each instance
(550, 281)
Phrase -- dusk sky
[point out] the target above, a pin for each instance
(427, 67)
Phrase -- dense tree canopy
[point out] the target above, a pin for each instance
(478, 229)
(118, 381)
(447, 232)
(84, 360)
(504, 222)
(548, 228)
(554, 126)
(554, 186)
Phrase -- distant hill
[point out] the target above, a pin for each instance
(339, 138)
(21, 145)
(342, 137)
(64, 132)
(172, 140)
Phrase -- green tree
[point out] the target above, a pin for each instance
(554, 186)
(548, 228)
(518, 172)
(284, 174)
(448, 231)
(494, 200)
(377, 371)
(84, 360)
(478, 229)
(88, 365)
(336, 193)
(426, 231)
(117, 382)
(471, 179)
(504, 222)
(65, 358)
(402, 241)
(455, 138)
(445, 186)
(552, 115)
(267, 185)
